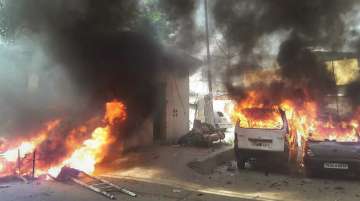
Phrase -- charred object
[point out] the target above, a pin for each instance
(203, 135)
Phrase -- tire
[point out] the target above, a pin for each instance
(309, 172)
(240, 164)
(357, 174)
(293, 168)
(240, 161)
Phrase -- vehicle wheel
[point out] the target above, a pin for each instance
(292, 168)
(309, 172)
(240, 160)
(240, 164)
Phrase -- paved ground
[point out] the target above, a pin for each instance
(160, 173)
(54, 191)
(167, 166)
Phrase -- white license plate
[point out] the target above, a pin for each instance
(342, 166)
(262, 144)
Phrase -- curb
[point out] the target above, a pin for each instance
(207, 164)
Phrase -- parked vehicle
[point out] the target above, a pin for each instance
(332, 156)
(264, 144)
(329, 154)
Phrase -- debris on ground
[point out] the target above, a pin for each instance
(176, 191)
(92, 183)
(339, 188)
(231, 166)
(275, 184)
(305, 181)
(156, 156)
(202, 134)
(278, 184)
(67, 174)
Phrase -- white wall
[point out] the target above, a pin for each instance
(177, 108)
(177, 114)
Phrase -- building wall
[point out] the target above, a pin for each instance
(177, 114)
(177, 108)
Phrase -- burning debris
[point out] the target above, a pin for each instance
(82, 154)
(81, 157)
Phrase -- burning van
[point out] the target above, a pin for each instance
(268, 138)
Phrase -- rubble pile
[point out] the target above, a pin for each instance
(202, 134)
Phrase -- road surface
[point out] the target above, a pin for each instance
(161, 173)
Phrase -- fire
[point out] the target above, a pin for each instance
(304, 119)
(93, 150)
(84, 155)
(29, 146)
(114, 110)
(252, 114)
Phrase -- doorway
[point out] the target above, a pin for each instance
(159, 132)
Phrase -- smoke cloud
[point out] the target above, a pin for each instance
(91, 53)
(310, 24)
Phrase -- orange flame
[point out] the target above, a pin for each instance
(84, 155)
(29, 146)
(303, 119)
(93, 150)
(21, 149)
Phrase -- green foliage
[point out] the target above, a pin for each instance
(155, 18)
(154, 21)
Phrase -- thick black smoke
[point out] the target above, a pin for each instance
(352, 90)
(94, 42)
(181, 14)
(304, 69)
(309, 24)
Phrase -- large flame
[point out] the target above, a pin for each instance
(252, 114)
(93, 150)
(304, 119)
(29, 146)
(84, 155)
(22, 148)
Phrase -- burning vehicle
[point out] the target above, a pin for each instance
(338, 149)
(297, 131)
(331, 155)
(322, 117)
(262, 139)
(334, 146)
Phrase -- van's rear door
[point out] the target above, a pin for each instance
(261, 139)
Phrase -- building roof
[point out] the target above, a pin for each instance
(329, 56)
